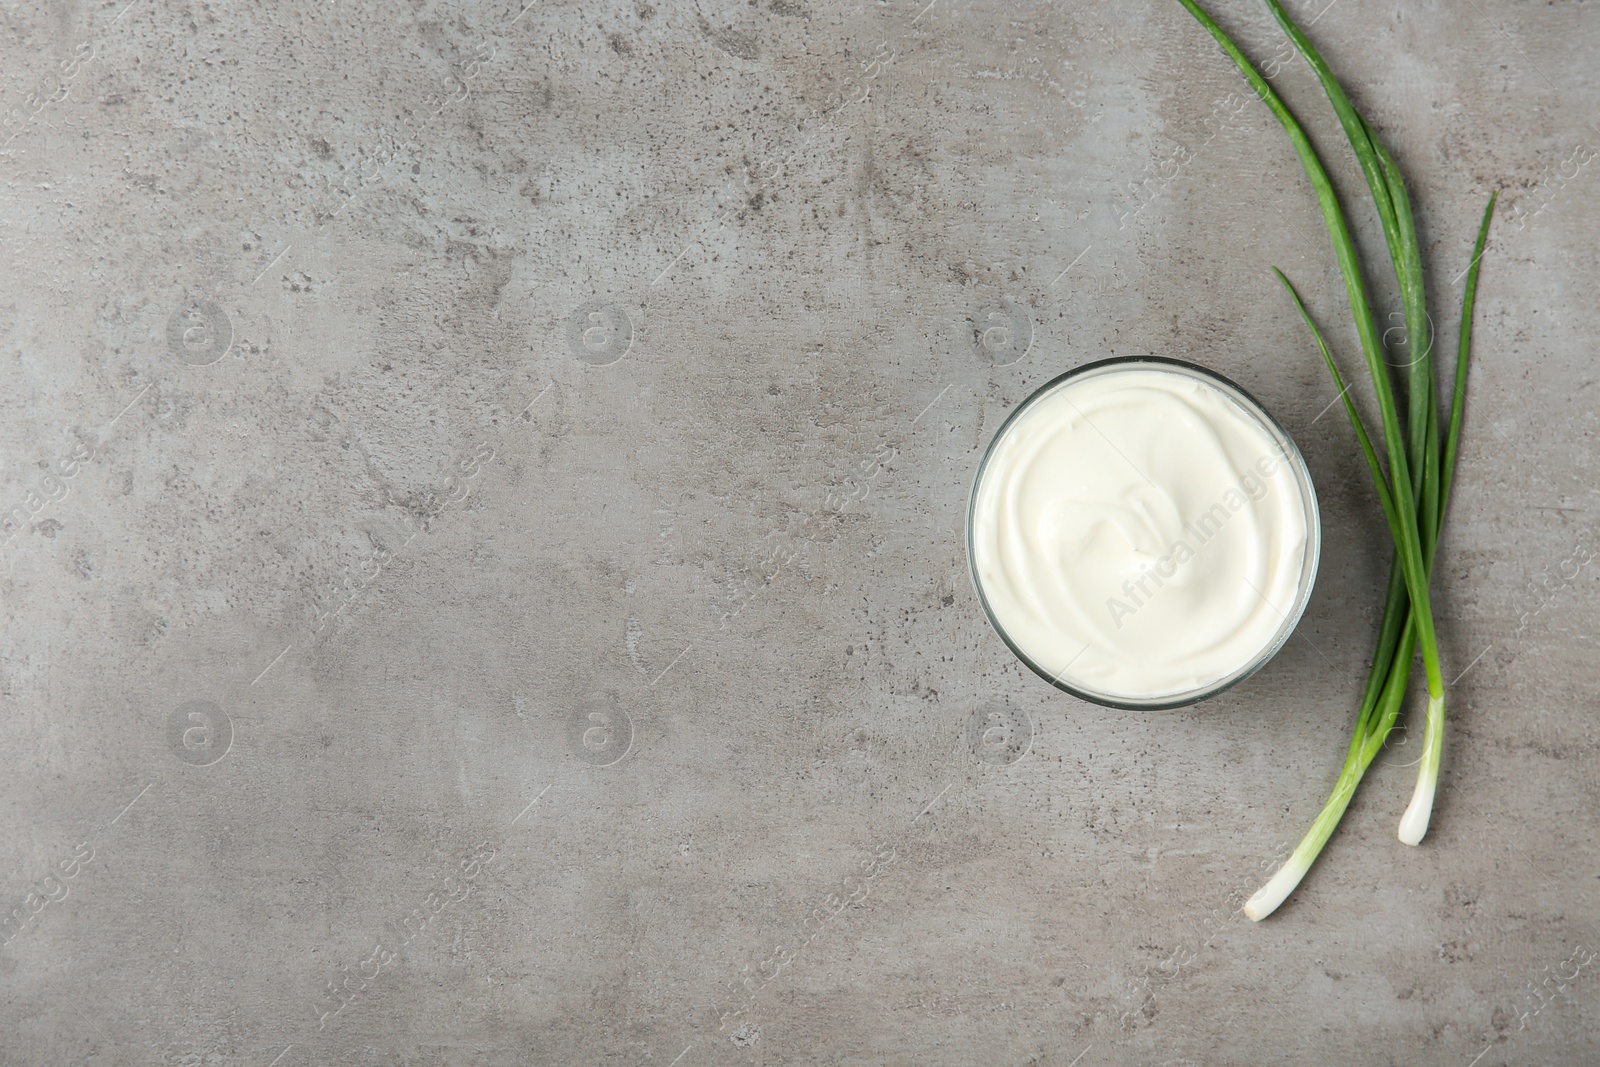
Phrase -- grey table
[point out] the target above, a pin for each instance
(484, 575)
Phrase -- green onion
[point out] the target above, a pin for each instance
(1413, 494)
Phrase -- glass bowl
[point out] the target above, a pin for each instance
(1289, 453)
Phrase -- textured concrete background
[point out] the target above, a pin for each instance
(489, 585)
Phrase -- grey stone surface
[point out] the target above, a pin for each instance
(491, 590)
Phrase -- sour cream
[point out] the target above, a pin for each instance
(1142, 533)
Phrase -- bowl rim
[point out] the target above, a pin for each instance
(1310, 560)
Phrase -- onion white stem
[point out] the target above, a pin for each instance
(1414, 823)
(1277, 889)
(1287, 878)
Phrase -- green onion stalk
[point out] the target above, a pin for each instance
(1421, 457)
